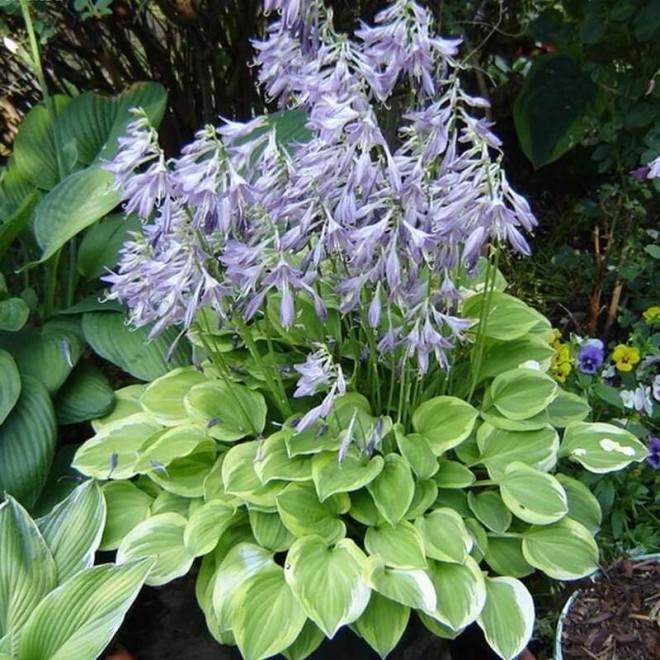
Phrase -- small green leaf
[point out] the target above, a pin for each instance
(382, 624)
(534, 496)
(327, 581)
(127, 506)
(400, 546)
(412, 588)
(507, 618)
(522, 393)
(274, 461)
(160, 537)
(445, 421)
(426, 492)
(206, 526)
(185, 476)
(268, 618)
(416, 449)
(490, 510)
(14, 314)
(564, 551)
(583, 507)
(355, 471)
(178, 442)
(303, 514)
(601, 448)
(269, 531)
(309, 639)
(566, 408)
(505, 556)
(461, 592)
(393, 489)
(451, 474)
(445, 536)
(228, 411)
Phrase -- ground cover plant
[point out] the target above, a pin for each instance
(370, 423)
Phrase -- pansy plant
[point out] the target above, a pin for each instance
(369, 431)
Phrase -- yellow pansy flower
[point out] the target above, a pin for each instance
(560, 371)
(625, 357)
(652, 315)
(560, 365)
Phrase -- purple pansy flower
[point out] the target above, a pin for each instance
(654, 453)
(591, 356)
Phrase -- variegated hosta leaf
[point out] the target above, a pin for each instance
(268, 618)
(445, 421)
(445, 535)
(327, 581)
(127, 506)
(393, 489)
(400, 546)
(507, 618)
(330, 476)
(73, 529)
(206, 526)
(79, 618)
(382, 624)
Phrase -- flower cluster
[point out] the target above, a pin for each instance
(383, 220)
(561, 363)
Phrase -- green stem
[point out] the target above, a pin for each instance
(52, 266)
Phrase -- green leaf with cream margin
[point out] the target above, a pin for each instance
(533, 496)
(330, 476)
(328, 581)
(445, 535)
(400, 546)
(160, 537)
(268, 617)
(507, 618)
(564, 551)
(601, 448)
(521, 393)
(393, 489)
(382, 624)
(79, 618)
(206, 525)
(445, 421)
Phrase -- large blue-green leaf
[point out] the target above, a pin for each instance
(11, 384)
(27, 443)
(86, 394)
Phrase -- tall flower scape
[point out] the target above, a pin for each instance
(378, 221)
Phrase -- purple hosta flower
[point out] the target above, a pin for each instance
(641, 173)
(638, 399)
(590, 357)
(654, 452)
(654, 169)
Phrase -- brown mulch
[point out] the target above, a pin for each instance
(618, 617)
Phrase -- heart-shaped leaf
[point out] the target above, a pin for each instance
(393, 489)
(445, 421)
(400, 546)
(355, 471)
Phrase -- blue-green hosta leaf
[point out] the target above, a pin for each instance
(239, 477)
(507, 618)
(309, 639)
(490, 510)
(131, 349)
(177, 442)
(241, 562)
(499, 448)
(185, 476)
(160, 537)
(302, 513)
(507, 317)
(164, 396)
(601, 448)
(274, 462)
(229, 411)
(533, 496)
(564, 551)
(268, 618)
(416, 449)
(393, 489)
(461, 592)
(522, 393)
(14, 314)
(27, 568)
(127, 506)
(327, 581)
(73, 530)
(71, 206)
(400, 546)
(27, 443)
(355, 471)
(207, 525)
(567, 407)
(269, 531)
(583, 507)
(79, 618)
(11, 384)
(408, 587)
(85, 394)
(114, 450)
(505, 556)
(445, 536)
(452, 474)
(445, 421)
(382, 624)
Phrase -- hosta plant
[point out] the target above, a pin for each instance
(369, 430)
(54, 604)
